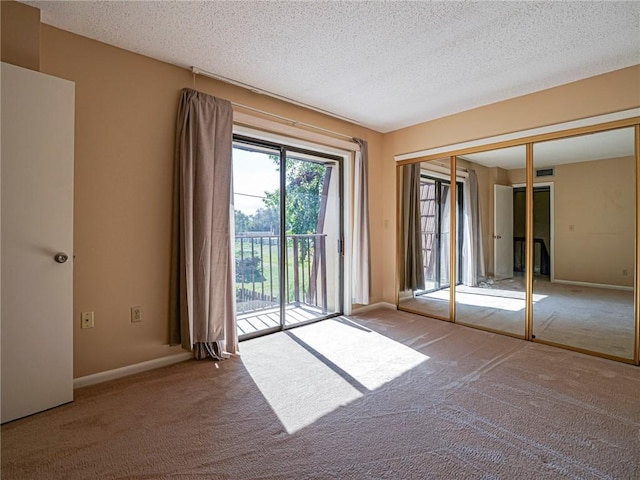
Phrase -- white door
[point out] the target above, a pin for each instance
(37, 223)
(502, 232)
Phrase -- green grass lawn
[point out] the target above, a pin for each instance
(268, 267)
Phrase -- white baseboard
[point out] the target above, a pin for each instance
(366, 308)
(593, 285)
(130, 370)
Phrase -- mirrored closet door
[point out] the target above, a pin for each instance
(585, 233)
(491, 293)
(545, 245)
(425, 207)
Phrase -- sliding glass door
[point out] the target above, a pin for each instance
(257, 210)
(288, 227)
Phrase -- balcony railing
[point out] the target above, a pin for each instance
(258, 257)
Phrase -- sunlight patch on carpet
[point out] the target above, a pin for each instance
(368, 357)
(298, 387)
(495, 298)
(311, 371)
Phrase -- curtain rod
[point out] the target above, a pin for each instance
(198, 71)
(293, 122)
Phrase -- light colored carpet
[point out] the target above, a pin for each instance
(595, 319)
(433, 303)
(386, 395)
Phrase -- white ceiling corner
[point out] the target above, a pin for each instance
(385, 64)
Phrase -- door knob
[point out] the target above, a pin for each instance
(61, 257)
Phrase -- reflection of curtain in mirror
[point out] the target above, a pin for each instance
(413, 278)
(445, 240)
(429, 228)
(472, 254)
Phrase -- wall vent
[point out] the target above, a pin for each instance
(545, 172)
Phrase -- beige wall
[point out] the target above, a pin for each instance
(593, 96)
(20, 34)
(125, 118)
(595, 228)
(594, 220)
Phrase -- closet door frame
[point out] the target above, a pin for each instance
(529, 141)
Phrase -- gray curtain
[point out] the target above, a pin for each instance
(202, 302)
(361, 255)
(445, 237)
(472, 252)
(413, 278)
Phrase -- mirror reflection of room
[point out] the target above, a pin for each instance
(583, 241)
(425, 236)
(587, 291)
(491, 291)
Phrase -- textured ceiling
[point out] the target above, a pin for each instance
(385, 64)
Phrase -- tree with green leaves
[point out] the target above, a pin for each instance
(243, 221)
(266, 219)
(304, 181)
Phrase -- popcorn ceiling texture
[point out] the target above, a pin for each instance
(387, 65)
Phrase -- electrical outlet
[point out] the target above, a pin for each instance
(136, 314)
(86, 320)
